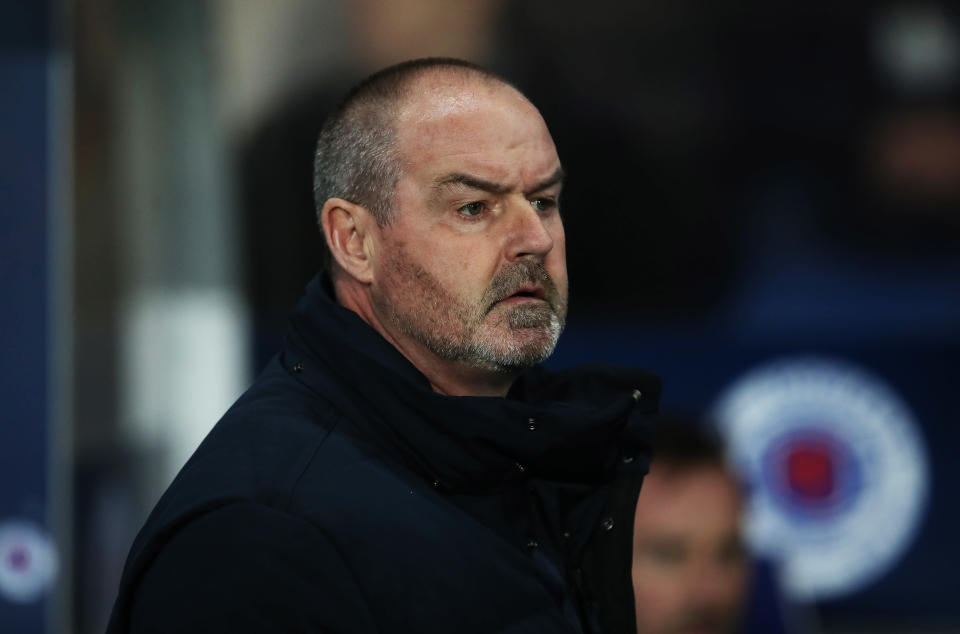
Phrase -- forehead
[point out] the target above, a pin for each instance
(482, 127)
(700, 500)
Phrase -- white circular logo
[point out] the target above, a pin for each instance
(28, 561)
(836, 467)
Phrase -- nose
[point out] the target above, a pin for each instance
(528, 234)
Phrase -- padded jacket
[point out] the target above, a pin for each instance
(341, 494)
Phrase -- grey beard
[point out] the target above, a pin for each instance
(482, 354)
(519, 357)
(432, 316)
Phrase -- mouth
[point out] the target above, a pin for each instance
(526, 292)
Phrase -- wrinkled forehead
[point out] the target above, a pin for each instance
(472, 119)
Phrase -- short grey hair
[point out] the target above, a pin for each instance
(357, 157)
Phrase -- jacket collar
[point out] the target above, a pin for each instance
(572, 426)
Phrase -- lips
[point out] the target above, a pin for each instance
(523, 282)
(531, 291)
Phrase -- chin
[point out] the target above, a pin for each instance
(517, 349)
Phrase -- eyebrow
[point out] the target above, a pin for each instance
(495, 188)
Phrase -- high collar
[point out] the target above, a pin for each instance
(571, 426)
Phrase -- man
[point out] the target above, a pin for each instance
(402, 465)
(690, 568)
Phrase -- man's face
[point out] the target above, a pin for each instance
(473, 267)
(689, 566)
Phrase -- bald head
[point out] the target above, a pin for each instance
(358, 156)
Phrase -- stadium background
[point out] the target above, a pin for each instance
(748, 182)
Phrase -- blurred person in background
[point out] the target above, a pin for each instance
(402, 465)
(690, 566)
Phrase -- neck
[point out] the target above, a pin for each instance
(460, 379)
(453, 378)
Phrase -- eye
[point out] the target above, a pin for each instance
(732, 553)
(472, 209)
(666, 554)
(543, 204)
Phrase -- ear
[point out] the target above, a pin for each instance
(347, 228)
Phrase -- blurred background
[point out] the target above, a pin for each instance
(763, 206)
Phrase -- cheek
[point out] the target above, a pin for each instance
(653, 606)
(656, 591)
(736, 581)
(460, 267)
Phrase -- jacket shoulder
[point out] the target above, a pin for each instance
(246, 567)
(258, 450)
(256, 454)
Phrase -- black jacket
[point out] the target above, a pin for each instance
(341, 494)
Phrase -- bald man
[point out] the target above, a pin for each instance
(403, 464)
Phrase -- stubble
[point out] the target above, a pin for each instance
(484, 334)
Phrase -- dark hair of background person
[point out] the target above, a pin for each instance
(681, 444)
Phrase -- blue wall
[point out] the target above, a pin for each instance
(24, 318)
